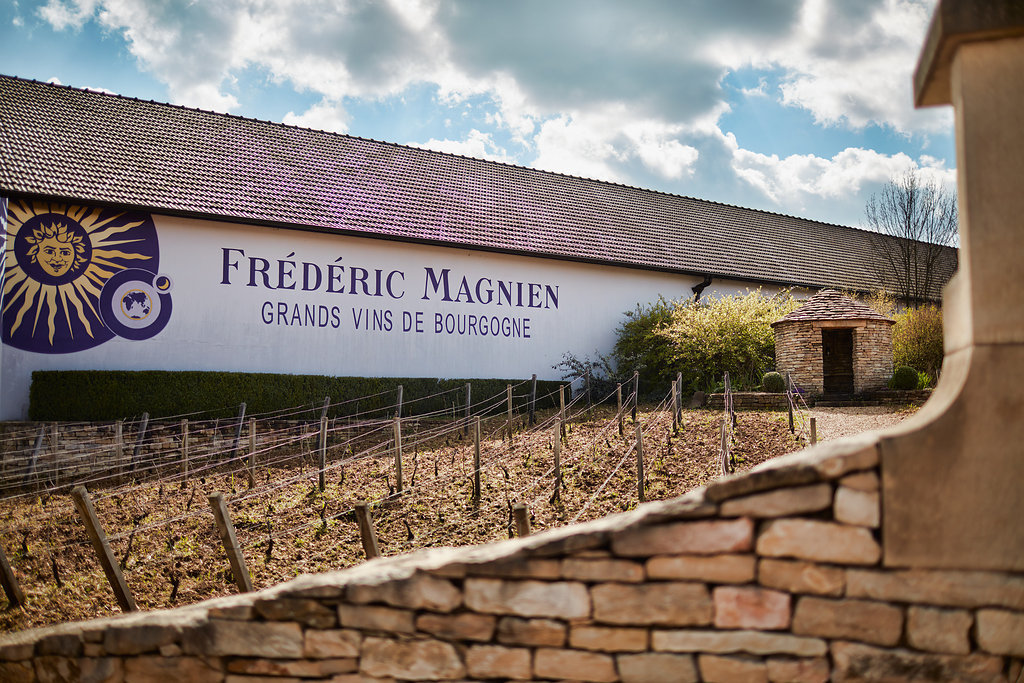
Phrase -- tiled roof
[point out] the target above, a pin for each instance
(72, 144)
(829, 304)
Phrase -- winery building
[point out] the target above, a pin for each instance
(140, 235)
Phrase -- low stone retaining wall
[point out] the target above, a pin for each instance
(775, 575)
(749, 400)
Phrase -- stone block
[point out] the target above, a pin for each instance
(574, 665)
(717, 669)
(495, 661)
(710, 568)
(60, 645)
(276, 640)
(517, 568)
(810, 539)
(13, 652)
(608, 639)
(410, 659)
(724, 642)
(938, 587)
(17, 671)
(562, 599)
(375, 618)
(98, 670)
(939, 630)
(859, 508)
(332, 643)
(710, 537)
(857, 662)
(657, 667)
(782, 670)
(1001, 632)
(464, 626)
(868, 622)
(156, 669)
(233, 612)
(55, 669)
(299, 668)
(796, 576)
(661, 604)
(861, 481)
(780, 502)
(302, 610)
(420, 591)
(599, 569)
(133, 639)
(749, 607)
(765, 480)
(532, 632)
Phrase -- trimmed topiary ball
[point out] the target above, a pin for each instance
(773, 382)
(904, 378)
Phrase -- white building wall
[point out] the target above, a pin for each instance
(226, 317)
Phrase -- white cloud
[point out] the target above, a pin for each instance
(324, 115)
(63, 15)
(477, 145)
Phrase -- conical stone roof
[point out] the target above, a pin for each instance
(828, 304)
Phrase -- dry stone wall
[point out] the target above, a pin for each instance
(775, 575)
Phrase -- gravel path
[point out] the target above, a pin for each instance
(835, 423)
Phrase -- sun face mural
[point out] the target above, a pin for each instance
(76, 276)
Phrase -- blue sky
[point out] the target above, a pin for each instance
(802, 107)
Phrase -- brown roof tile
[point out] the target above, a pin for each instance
(72, 144)
(829, 304)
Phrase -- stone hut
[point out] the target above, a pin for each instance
(833, 344)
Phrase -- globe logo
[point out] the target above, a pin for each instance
(136, 304)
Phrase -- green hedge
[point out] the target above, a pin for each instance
(98, 395)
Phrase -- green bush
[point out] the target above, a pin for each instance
(917, 340)
(904, 378)
(730, 334)
(93, 395)
(639, 346)
(773, 382)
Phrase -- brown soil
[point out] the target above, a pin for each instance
(163, 533)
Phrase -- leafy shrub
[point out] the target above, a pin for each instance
(700, 340)
(917, 339)
(730, 334)
(773, 382)
(904, 378)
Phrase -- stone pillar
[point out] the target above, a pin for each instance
(953, 477)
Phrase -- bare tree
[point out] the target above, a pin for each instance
(915, 225)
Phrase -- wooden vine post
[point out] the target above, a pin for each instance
(636, 391)
(561, 411)
(251, 470)
(399, 486)
(533, 400)
(476, 461)
(366, 531)
(184, 449)
(398, 402)
(468, 395)
(327, 404)
(323, 454)
(618, 409)
(119, 442)
(15, 596)
(679, 399)
(99, 543)
(640, 464)
(675, 409)
(230, 541)
(814, 430)
(508, 401)
(521, 514)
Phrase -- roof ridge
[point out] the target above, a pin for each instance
(427, 150)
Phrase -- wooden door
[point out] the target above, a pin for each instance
(837, 360)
